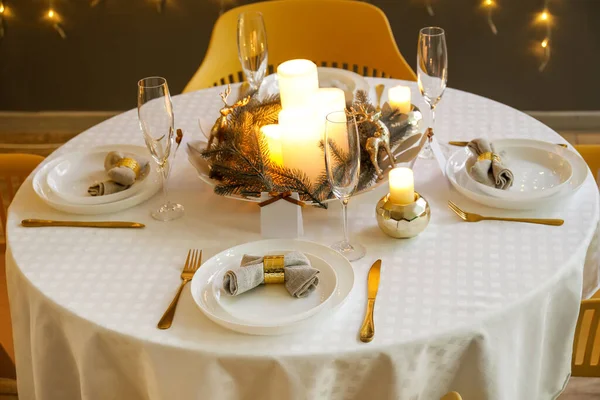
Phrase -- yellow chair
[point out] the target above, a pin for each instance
(346, 34)
(452, 396)
(591, 155)
(585, 360)
(14, 169)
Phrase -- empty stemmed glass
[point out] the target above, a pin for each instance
(432, 72)
(155, 113)
(342, 162)
(252, 47)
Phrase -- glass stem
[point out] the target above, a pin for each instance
(432, 119)
(164, 173)
(345, 220)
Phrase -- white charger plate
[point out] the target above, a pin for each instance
(202, 287)
(44, 192)
(538, 173)
(76, 172)
(271, 305)
(458, 177)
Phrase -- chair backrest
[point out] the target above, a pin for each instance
(586, 346)
(591, 155)
(347, 34)
(14, 169)
(451, 396)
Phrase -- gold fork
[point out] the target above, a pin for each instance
(459, 143)
(193, 261)
(472, 217)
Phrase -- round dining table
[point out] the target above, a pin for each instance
(487, 309)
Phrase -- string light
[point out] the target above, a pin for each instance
(160, 5)
(2, 20)
(429, 8)
(489, 5)
(545, 18)
(55, 19)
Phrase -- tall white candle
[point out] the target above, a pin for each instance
(298, 81)
(300, 137)
(399, 97)
(328, 100)
(402, 186)
(272, 134)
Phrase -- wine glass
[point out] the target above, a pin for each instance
(432, 72)
(155, 113)
(252, 47)
(342, 162)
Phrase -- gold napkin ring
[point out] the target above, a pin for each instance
(273, 269)
(131, 164)
(489, 156)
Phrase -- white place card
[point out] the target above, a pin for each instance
(281, 219)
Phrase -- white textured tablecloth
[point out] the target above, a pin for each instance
(487, 309)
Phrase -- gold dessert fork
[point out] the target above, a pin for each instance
(472, 217)
(192, 263)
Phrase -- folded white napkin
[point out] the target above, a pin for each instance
(300, 277)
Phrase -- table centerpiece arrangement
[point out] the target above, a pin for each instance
(274, 143)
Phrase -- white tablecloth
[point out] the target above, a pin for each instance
(488, 309)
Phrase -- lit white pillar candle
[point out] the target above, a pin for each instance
(272, 134)
(399, 97)
(300, 137)
(298, 81)
(328, 100)
(402, 186)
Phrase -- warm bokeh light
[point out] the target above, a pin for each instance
(51, 13)
(1, 8)
(489, 3)
(544, 17)
(545, 43)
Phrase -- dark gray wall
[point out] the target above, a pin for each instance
(109, 47)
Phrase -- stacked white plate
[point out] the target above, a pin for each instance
(64, 181)
(543, 174)
(270, 309)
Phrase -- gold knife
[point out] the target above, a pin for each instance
(458, 143)
(35, 223)
(367, 331)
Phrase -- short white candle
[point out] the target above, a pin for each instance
(399, 97)
(402, 186)
(272, 134)
(298, 81)
(300, 137)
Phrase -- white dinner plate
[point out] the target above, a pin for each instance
(41, 188)
(538, 173)
(211, 273)
(272, 305)
(457, 175)
(76, 172)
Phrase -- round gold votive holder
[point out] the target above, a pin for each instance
(403, 221)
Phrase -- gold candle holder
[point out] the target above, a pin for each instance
(403, 221)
